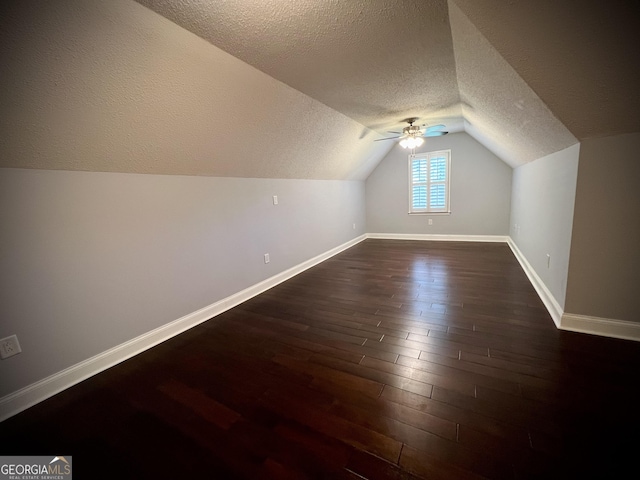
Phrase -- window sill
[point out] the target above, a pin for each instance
(429, 213)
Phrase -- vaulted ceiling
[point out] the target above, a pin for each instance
(303, 88)
(525, 78)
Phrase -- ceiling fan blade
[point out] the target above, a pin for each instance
(389, 138)
(434, 134)
(434, 127)
(394, 132)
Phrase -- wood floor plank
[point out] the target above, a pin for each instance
(445, 381)
(334, 426)
(415, 384)
(461, 374)
(343, 378)
(368, 466)
(450, 351)
(430, 466)
(201, 404)
(517, 435)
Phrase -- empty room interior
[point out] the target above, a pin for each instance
(220, 255)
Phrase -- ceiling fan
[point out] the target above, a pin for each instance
(412, 136)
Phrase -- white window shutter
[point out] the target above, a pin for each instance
(429, 182)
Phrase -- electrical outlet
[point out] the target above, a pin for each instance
(431, 221)
(275, 199)
(266, 258)
(354, 226)
(9, 347)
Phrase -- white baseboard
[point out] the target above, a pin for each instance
(439, 237)
(607, 327)
(41, 390)
(550, 302)
(30, 395)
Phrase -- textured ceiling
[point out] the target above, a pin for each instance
(581, 57)
(500, 110)
(524, 77)
(371, 60)
(302, 88)
(111, 86)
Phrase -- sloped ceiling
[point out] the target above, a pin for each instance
(526, 78)
(301, 89)
(111, 86)
(580, 56)
(371, 60)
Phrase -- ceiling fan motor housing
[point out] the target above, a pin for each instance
(411, 130)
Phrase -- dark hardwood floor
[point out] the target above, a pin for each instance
(391, 360)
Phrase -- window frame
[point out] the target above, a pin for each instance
(447, 182)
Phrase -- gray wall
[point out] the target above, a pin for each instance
(542, 204)
(91, 260)
(480, 192)
(604, 267)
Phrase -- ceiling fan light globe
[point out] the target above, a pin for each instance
(411, 142)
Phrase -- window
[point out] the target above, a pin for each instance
(429, 182)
